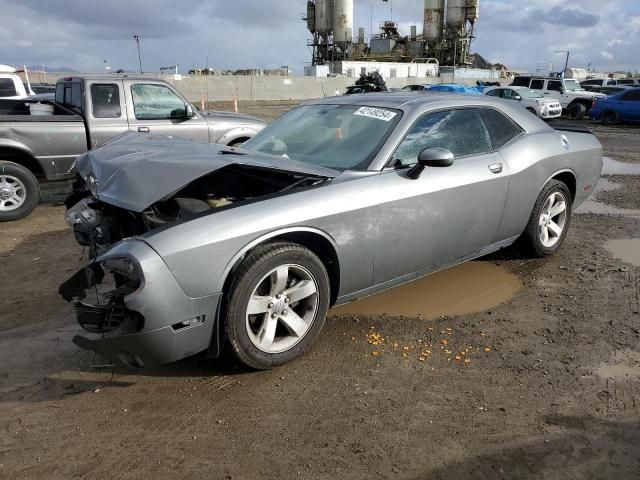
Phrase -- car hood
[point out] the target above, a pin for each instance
(215, 115)
(134, 170)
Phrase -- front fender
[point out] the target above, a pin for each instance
(237, 133)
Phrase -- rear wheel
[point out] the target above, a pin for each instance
(277, 306)
(578, 111)
(610, 117)
(550, 219)
(19, 191)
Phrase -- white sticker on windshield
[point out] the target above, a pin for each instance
(373, 112)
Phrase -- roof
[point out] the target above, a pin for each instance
(406, 100)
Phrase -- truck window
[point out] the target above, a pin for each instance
(105, 101)
(554, 85)
(69, 94)
(521, 82)
(7, 88)
(156, 102)
(537, 84)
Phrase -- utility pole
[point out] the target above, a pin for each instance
(566, 63)
(136, 37)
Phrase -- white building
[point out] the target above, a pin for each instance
(353, 69)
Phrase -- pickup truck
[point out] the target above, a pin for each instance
(572, 97)
(39, 141)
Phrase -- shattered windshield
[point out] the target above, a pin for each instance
(342, 137)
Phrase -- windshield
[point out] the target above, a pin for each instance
(572, 85)
(342, 137)
(526, 93)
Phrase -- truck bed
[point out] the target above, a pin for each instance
(18, 111)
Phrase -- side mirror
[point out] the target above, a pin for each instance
(517, 97)
(434, 157)
(188, 109)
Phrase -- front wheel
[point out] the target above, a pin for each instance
(277, 304)
(550, 219)
(578, 111)
(19, 191)
(610, 117)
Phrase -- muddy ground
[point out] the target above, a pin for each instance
(544, 385)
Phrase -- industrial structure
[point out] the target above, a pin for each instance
(448, 30)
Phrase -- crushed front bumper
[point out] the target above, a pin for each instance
(155, 324)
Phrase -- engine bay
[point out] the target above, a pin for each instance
(98, 225)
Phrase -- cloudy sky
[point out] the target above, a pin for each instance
(81, 34)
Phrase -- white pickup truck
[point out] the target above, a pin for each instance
(574, 99)
(11, 86)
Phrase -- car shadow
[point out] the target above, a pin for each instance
(587, 447)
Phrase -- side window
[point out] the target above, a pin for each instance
(521, 82)
(156, 102)
(496, 93)
(500, 128)
(461, 131)
(510, 94)
(69, 94)
(7, 88)
(633, 96)
(105, 101)
(554, 85)
(537, 84)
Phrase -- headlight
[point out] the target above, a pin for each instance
(540, 102)
(124, 266)
(83, 215)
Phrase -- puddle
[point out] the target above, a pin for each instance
(599, 208)
(613, 167)
(624, 365)
(468, 288)
(627, 250)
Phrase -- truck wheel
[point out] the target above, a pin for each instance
(578, 111)
(277, 305)
(550, 219)
(610, 117)
(19, 191)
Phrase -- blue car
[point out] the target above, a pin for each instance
(455, 88)
(622, 107)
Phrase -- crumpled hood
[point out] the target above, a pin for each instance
(134, 170)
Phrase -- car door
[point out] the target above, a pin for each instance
(555, 90)
(498, 92)
(157, 108)
(105, 111)
(447, 213)
(629, 105)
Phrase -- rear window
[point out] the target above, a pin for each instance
(628, 81)
(105, 101)
(7, 88)
(501, 129)
(69, 94)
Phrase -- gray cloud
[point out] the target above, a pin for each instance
(568, 17)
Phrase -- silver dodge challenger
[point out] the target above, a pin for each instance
(194, 247)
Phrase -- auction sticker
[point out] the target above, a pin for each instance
(373, 112)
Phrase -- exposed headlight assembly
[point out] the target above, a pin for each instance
(123, 266)
(81, 214)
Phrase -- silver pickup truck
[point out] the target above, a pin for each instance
(39, 141)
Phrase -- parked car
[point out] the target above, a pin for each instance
(631, 82)
(608, 91)
(197, 245)
(39, 141)
(11, 86)
(532, 101)
(367, 83)
(574, 99)
(622, 107)
(598, 82)
(415, 88)
(456, 88)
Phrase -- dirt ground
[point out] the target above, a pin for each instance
(544, 385)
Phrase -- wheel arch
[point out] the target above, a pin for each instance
(567, 177)
(22, 157)
(319, 242)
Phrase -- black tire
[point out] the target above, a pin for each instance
(258, 264)
(610, 117)
(578, 111)
(532, 234)
(31, 187)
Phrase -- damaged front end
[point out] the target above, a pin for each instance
(132, 323)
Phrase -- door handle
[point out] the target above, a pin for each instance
(144, 129)
(496, 167)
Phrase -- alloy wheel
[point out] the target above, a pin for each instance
(12, 193)
(552, 219)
